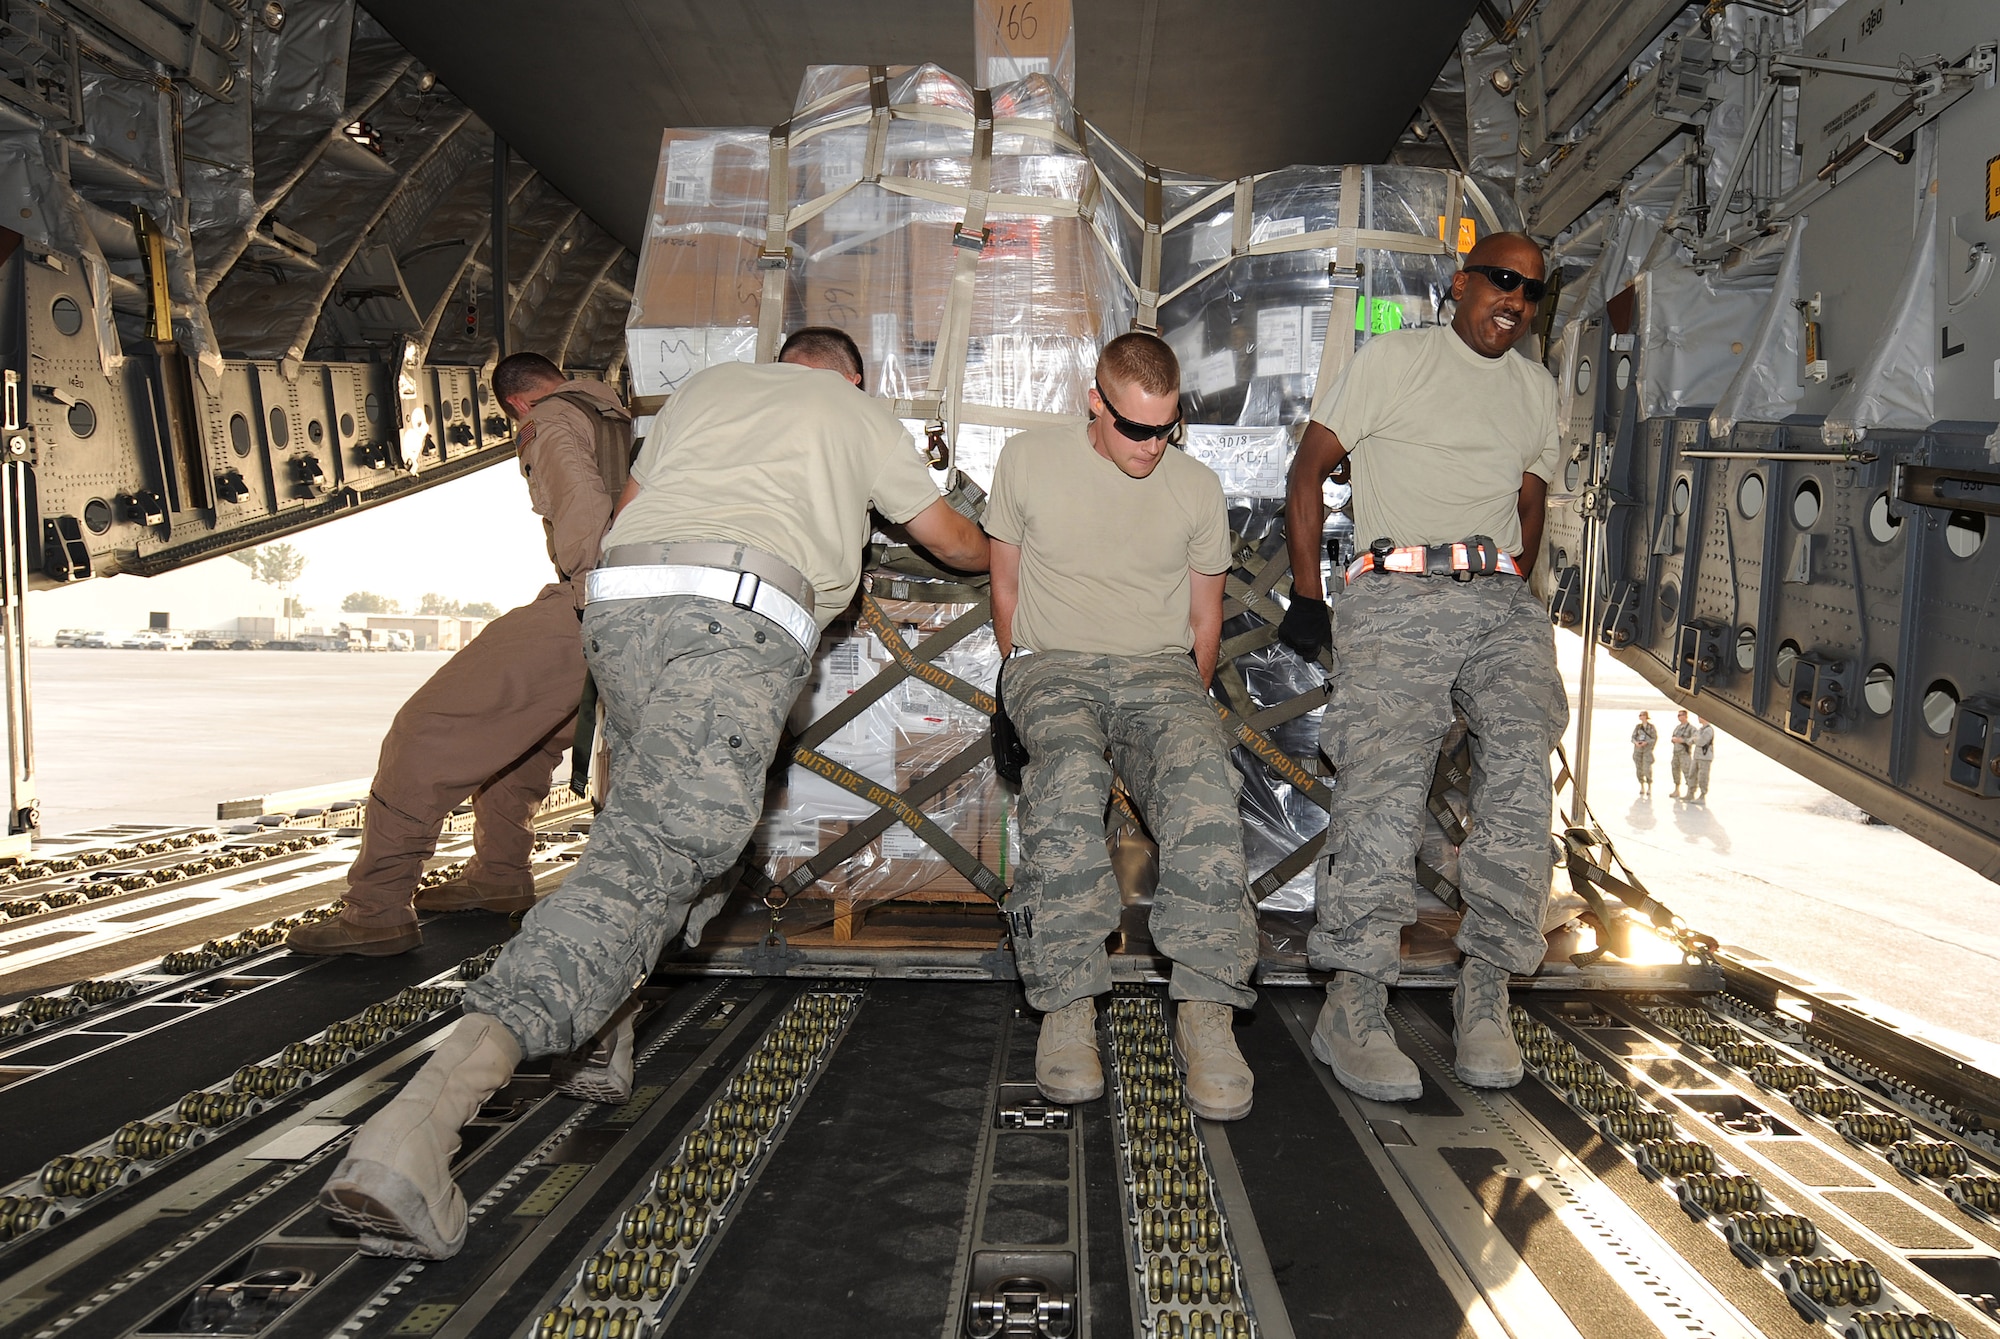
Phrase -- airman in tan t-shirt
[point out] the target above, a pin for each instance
(1110, 547)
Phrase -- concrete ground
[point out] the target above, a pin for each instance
(1775, 864)
(1771, 862)
(162, 736)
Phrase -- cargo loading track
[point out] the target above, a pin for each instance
(868, 1150)
(903, 1170)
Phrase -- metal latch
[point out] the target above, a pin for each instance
(1697, 656)
(1566, 600)
(1819, 697)
(1021, 1106)
(1621, 616)
(1034, 1116)
(1021, 1293)
(1974, 762)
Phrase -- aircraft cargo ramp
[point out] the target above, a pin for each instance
(855, 1149)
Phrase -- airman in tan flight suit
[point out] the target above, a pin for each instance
(493, 722)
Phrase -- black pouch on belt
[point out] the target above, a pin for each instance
(1010, 755)
(1482, 556)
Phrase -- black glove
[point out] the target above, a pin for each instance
(1010, 755)
(1307, 628)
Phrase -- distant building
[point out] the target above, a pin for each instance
(219, 595)
(432, 632)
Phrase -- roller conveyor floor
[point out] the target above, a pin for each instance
(869, 1157)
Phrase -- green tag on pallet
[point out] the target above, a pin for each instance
(1382, 316)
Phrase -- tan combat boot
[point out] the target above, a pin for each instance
(1488, 1055)
(1352, 1038)
(1067, 1069)
(1218, 1080)
(475, 895)
(395, 1184)
(600, 1070)
(330, 937)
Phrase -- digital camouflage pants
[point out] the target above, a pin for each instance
(1407, 650)
(1698, 769)
(1683, 765)
(1151, 714)
(695, 693)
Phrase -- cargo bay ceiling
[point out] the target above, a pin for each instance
(582, 91)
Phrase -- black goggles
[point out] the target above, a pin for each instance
(1507, 280)
(1174, 432)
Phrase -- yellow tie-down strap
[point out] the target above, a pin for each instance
(893, 806)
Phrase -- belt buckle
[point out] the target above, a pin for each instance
(746, 600)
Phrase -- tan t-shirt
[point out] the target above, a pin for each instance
(1104, 557)
(784, 458)
(1440, 437)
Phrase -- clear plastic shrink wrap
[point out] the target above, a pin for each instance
(879, 172)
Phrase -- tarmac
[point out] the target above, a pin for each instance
(164, 736)
(1771, 862)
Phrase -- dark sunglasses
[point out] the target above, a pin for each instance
(1507, 280)
(1174, 432)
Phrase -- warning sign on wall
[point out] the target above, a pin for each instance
(1993, 187)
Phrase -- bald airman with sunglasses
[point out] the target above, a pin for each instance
(1109, 551)
(1452, 441)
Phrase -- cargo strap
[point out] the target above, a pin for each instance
(969, 238)
(584, 743)
(858, 701)
(850, 843)
(900, 809)
(908, 663)
(1148, 295)
(774, 261)
(1346, 240)
(1452, 772)
(941, 408)
(1345, 267)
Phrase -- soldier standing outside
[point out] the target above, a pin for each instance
(738, 538)
(1682, 759)
(1645, 738)
(1109, 551)
(1453, 439)
(493, 722)
(1701, 757)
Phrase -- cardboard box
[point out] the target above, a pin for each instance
(697, 279)
(1012, 39)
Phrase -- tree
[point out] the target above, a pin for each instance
(368, 602)
(481, 609)
(434, 603)
(278, 565)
